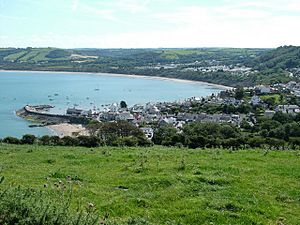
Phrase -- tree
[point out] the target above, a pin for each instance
(127, 141)
(294, 142)
(256, 142)
(269, 124)
(233, 143)
(165, 135)
(245, 125)
(271, 101)
(28, 139)
(239, 93)
(69, 141)
(45, 140)
(196, 141)
(88, 141)
(54, 140)
(275, 143)
(282, 117)
(228, 131)
(11, 140)
(123, 104)
(109, 132)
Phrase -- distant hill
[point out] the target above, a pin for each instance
(33, 54)
(285, 57)
(227, 66)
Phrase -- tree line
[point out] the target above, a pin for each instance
(280, 132)
(119, 133)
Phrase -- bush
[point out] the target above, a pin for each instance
(69, 141)
(28, 139)
(88, 141)
(109, 132)
(45, 140)
(234, 143)
(127, 141)
(256, 142)
(31, 207)
(144, 142)
(294, 142)
(54, 140)
(165, 135)
(11, 140)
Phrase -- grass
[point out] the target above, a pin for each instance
(33, 55)
(16, 56)
(166, 185)
(275, 96)
(174, 54)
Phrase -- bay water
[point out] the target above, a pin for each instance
(83, 90)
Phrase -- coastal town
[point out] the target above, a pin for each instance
(235, 106)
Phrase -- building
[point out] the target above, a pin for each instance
(269, 113)
(148, 131)
(291, 109)
(74, 111)
(255, 100)
(125, 116)
(261, 89)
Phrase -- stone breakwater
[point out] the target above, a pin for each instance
(30, 113)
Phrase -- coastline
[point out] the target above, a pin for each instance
(127, 75)
(67, 129)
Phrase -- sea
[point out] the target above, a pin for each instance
(84, 91)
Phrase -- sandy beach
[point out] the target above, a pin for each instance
(66, 129)
(128, 75)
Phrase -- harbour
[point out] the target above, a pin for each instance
(85, 91)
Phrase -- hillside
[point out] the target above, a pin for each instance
(227, 66)
(285, 57)
(33, 55)
(160, 185)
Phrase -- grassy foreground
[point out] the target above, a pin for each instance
(165, 185)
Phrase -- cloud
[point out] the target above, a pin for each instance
(74, 5)
(13, 17)
(91, 10)
(233, 24)
(133, 6)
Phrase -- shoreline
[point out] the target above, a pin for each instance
(127, 75)
(67, 129)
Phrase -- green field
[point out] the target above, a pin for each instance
(166, 185)
(32, 55)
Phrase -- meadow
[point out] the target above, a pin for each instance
(163, 185)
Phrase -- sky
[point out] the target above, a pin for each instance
(149, 23)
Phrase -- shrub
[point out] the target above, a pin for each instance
(28, 206)
(11, 140)
(28, 139)
(69, 141)
(127, 141)
(88, 141)
(294, 142)
(45, 140)
(144, 142)
(256, 142)
(54, 140)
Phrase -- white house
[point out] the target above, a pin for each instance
(153, 109)
(255, 100)
(113, 107)
(263, 89)
(269, 113)
(165, 121)
(148, 131)
(292, 109)
(125, 116)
